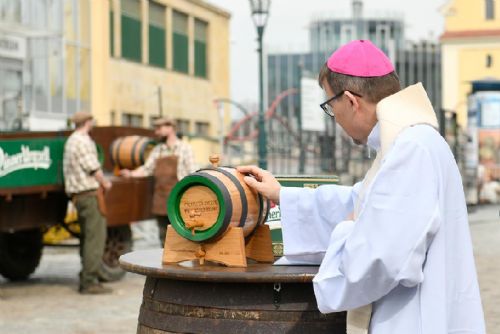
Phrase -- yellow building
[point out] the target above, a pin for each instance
(127, 61)
(470, 50)
(160, 58)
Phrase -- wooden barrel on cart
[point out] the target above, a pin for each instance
(203, 205)
(130, 152)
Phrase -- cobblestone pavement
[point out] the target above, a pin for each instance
(485, 229)
(48, 302)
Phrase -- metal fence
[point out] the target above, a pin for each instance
(291, 151)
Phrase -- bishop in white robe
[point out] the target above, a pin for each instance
(408, 252)
(404, 263)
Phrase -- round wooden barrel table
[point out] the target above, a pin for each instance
(262, 298)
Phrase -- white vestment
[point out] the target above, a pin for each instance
(408, 252)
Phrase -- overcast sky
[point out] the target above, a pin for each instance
(287, 30)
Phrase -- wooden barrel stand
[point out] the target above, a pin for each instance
(261, 298)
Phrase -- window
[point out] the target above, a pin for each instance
(202, 128)
(489, 61)
(182, 126)
(76, 78)
(345, 33)
(111, 30)
(152, 120)
(200, 48)
(131, 30)
(156, 34)
(10, 11)
(180, 42)
(131, 120)
(490, 9)
(11, 86)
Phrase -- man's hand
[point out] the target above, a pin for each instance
(138, 172)
(126, 173)
(262, 181)
(106, 185)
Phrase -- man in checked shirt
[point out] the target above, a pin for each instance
(82, 177)
(170, 161)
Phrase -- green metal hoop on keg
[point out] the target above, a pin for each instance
(223, 197)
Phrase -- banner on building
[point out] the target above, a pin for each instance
(311, 96)
(12, 47)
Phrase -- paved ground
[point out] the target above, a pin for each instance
(48, 303)
(485, 228)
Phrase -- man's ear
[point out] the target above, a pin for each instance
(354, 101)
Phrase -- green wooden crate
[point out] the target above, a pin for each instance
(274, 217)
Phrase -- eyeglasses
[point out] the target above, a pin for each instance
(328, 109)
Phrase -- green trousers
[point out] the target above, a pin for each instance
(93, 238)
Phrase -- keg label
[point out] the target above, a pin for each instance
(274, 213)
(199, 207)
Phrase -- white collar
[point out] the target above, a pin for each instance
(373, 140)
(407, 107)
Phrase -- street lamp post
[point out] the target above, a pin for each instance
(260, 13)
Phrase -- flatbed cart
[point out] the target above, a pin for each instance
(32, 197)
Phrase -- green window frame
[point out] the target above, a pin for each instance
(202, 129)
(200, 48)
(131, 30)
(183, 126)
(111, 30)
(156, 35)
(131, 119)
(490, 9)
(180, 42)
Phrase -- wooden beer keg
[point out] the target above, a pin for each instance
(130, 151)
(204, 204)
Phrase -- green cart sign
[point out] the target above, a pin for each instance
(31, 162)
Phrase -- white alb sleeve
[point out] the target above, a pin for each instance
(308, 217)
(388, 242)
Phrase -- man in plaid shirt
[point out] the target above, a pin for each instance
(170, 161)
(82, 177)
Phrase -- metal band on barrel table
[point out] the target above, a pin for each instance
(261, 298)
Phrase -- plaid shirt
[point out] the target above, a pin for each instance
(181, 149)
(79, 163)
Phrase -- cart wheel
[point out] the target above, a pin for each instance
(20, 253)
(119, 242)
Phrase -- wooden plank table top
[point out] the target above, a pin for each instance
(149, 263)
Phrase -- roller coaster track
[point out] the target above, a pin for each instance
(269, 114)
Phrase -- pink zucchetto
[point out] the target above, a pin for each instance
(360, 59)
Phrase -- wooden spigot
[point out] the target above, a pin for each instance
(191, 225)
(200, 254)
(214, 160)
(194, 224)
